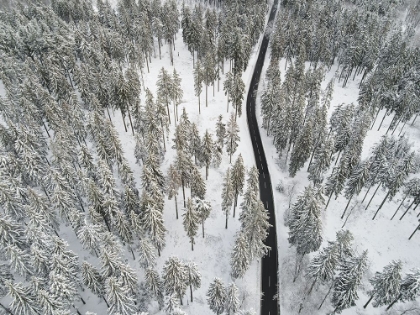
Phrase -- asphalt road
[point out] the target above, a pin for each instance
(269, 264)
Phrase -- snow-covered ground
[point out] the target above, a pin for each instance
(384, 239)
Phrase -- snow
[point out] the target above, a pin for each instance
(384, 239)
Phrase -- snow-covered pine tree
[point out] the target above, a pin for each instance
(302, 148)
(173, 182)
(348, 281)
(177, 92)
(164, 89)
(240, 258)
(197, 185)
(195, 144)
(203, 209)
(220, 132)
(207, 151)
(152, 219)
(93, 280)
(147, 253)
(22, 300)
(194, 277)
(386, 285)
(228, 195)
(409, 289)
(232, 299)
(237, 179)
(154, 284)
(190, 221)
(198, 83)
(305, 223)
(232, 136)
(175, 277)
(216, 296)
(119, 297)
(357, 180)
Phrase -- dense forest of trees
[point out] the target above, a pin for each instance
(362, 39)
(65, 67)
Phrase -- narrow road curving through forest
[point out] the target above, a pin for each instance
(269, 264)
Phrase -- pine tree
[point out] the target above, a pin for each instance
(238, 179)
(177, 92)
(216, 296)
(198, 83)
(154, 285)
(232, 137)
(152, 219)
(194, 277)
(203, 209)
(184, 166)
(190, 221)
(227, 195)
(173, 184)
(305, 223)
(175, 277)
(207, 151)
(197, 185)
(386, 285)
(93, 279)
(301, 149)
(23, 302)
(164, 89)
(147, 253)
(240, 259)
(119, 298)
(220, 132)
(195, 144)
(348, 281)
(232, 299)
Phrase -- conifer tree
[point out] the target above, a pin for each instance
(409, 289)
(173, 184)
(152, 219)
(232, 137)
(220, 132)
(216, 296)
(195, 144)
(23, 302)
(203, 209)
(190, 221)
(164, 89)
(232, 299)
(194, 277)
(154, 284)
(120, 300)
(240, 259)
(348, 281)
(198, 83)
(93, 279)
(147, 253)
(386, 285)
(198, 186)
(227, 195)
(177, 92)
(238, 179)
(207, 151)
(302, 148)
(175, 277)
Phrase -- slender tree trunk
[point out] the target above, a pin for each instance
(183, 192)
(147, 64)
(206, 95)
(132, 252)
(367, 303)
(383, 201)
(399, 206)
(227, 216)
(402, 128)
(131, 121)
(405, 212)
(207, 171)
(122, 115)
(379, 185)
(380, 125)
(235, 204)
(348, 216)
(393, 302)
(175, 115)
(202, 227)
(192, 300)
(199, 106)
(412, 234)
(298, 266)
(163, 135)
(106, 302)
(180, 300)
(338, 157)
(348, 203)
(312, 286)
(414, 120)
(169, 116)
(109, 116)
(329, 290)
(81, 299)
(376, 117)
(6, 309)
(328, 202)
(45, 127)
(176, 207)
(366, 194)
(192, 244)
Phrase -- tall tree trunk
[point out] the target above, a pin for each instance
(367, 303)
(192, 244)
(379, 185)
(109, 116)
(402, 128)
(202, 226)
(380, 125)
(169, 116)
(6, 309)
(207, 171)
(399, 206)
(367, 191)
(183, 191)
(405, 212)
(163, 135)
(393, 302)
(192, 300)
(376, 117)
(199, 106)
(131, 121)
(227, 216)
(328, 202)
(329, 290)
(206, 95)
(298, 266)
(379, 208)
(348, 203)
(414, 120)
(122, 115)
(412, 234)
(235, 204)
(312, 286)
(106, 302)
(176, 207)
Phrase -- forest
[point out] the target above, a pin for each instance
(127, 179)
